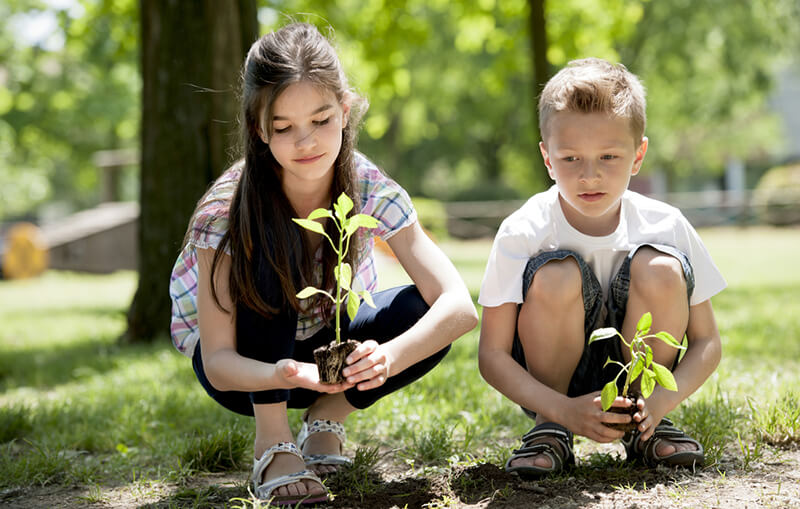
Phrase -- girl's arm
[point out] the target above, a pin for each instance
(224, 367)
(451, 314)
(703, 353)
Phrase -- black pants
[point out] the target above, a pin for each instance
(270, 340)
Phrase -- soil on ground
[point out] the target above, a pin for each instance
(771, 482)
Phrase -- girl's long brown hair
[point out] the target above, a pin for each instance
(261, 232)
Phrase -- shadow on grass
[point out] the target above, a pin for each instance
(47, 366)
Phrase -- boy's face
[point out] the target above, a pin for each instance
(591, 157)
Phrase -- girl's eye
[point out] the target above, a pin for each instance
(322, 122)
(282, 130)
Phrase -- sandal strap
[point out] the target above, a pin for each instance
(563, 437)
(532, 445)
(264, 491)
(544, 449)
(664, 431)
(261, 464)
(320, 426)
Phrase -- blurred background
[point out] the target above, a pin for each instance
(115, 115)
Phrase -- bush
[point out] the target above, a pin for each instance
(777, 195)
(432, 216)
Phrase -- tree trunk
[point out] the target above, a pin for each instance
(541, 70)
(191, 55)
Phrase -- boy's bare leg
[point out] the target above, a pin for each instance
(658, 286)
(272, 427)
(550, 328)
(333, 407)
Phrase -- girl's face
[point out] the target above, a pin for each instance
(306, 127)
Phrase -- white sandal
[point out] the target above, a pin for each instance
(263, 490)
(323, 426)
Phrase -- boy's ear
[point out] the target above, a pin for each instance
(639, 159)
(546, 159)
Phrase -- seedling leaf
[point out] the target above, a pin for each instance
(345, 204)
(669, 339)
(318, 213)
(600, 334)
(308, 291)
(344, 275)
(367, 298)
(310, 225)
(648, 383)
(665, 377)
(353, 304)
(359, 220)
(637, 368)
(644, 323)
(608, 395)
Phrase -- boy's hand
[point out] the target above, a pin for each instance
(586, 417)
(647, 418)
(305, 375)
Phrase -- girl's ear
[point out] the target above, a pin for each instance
(347, 100)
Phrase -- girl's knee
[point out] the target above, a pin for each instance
(556, 281)
(656, 273)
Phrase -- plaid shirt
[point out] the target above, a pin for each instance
(381, 197)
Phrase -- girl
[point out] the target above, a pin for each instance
(234, 285)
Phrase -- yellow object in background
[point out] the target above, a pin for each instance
(24, 252)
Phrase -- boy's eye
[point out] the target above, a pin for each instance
(570, 159)
(609, 157)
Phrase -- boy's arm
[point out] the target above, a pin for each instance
(703, 352)
(581, 415)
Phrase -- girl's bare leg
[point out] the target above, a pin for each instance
(272, 427)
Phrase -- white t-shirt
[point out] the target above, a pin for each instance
(540, 225)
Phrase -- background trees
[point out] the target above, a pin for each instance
(451, 85)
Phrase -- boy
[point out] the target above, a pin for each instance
(587, 254)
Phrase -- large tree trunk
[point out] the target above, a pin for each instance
(541, 70)
(192, 52)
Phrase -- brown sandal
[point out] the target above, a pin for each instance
(646, 452)
(559, 450)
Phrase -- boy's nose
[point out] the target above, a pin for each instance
(590, 170)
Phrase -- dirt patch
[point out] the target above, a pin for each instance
(774, 482)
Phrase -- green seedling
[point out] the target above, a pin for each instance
(343, 272)
(641, 363)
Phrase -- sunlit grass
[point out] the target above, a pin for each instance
(76, 407)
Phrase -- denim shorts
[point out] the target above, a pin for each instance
(590, 374)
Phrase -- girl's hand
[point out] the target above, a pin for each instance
(585, 417)
(369, 366)
(306, 376)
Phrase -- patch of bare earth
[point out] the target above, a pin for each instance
(772, 483)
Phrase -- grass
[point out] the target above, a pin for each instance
(77, 408)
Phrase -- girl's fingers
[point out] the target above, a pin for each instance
(364, 349)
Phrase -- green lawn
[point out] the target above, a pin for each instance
(76, 408)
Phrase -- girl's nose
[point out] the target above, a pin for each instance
(306, 138)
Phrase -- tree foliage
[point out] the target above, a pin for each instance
(450, 84)
(69, 86)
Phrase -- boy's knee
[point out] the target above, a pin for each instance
(657, 273)
(557, 281)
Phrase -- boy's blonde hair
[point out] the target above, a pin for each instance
(594, 85)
